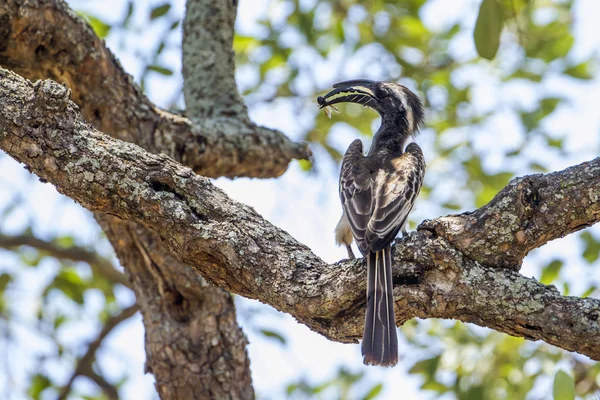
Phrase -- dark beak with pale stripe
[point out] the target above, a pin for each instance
(360, 91)
(391, 100)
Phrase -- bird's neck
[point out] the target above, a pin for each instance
(390, 138)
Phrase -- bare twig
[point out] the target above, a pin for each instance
(100, 265)
(84, 365)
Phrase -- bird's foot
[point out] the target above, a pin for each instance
(350, 252)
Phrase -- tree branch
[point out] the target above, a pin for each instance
(109, 390)
(526, 214)
(234, 248)
(100, 265)
(194, 346)
(45, 39)
(197, 322)
(84, 365)
(210, 92)
(208, 60)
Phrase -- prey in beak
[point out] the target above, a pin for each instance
(360, 91)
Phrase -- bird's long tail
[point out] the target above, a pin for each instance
(380, 343)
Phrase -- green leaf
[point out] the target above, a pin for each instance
(39, 383)
(100, 28)
(475, 393)
(161, 70)
(452, 206)
(557, 143)
(161, 48)
(537, 167)
(589, 291)
(427, 367)
(524, 74)
(305, 165)
(59, 320)
(434, 386)
(563, 387)
(551, 271)
(561, 47)
(273, 335)
(291, 388)
(319, 388)
(159, 11)
(580, 71)
(127, 18)
(70, 283)
(592, 247)
(65, 241)
(374, 392)
(488, 28)
(348, 376)
(31, 258)
(548, 105)
(5, 279)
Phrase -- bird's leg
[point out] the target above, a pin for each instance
(350, 252)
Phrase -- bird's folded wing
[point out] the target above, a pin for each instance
(377, 203)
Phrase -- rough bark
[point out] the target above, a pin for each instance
(234, 248)
(194, 346)
(211, 94)
(526, 214)
(45, 39)
(208, 61)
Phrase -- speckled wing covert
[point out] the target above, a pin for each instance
(377, 197)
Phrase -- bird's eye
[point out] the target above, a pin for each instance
(380, 93)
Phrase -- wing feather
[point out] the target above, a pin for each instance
(377, 202)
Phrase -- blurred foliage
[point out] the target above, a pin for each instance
(345, 386)
(470, 70)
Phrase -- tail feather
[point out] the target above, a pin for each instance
(380, 343)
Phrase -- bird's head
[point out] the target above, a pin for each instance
(391, 100)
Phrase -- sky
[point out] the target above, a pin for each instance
(306, 354)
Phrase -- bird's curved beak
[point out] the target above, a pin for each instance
(361, 91)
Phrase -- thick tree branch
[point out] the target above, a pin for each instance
(45, 39)
(200, 322)
(208, 60)
(100, 265)
(234, 248)
(210, 92)
(525, 215)
(215, 363)
(194, 346)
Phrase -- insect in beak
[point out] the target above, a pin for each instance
(328, 109)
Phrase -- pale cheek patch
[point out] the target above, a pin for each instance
(410, 119)
(409, 114)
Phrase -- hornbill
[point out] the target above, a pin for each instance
(378, 192)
